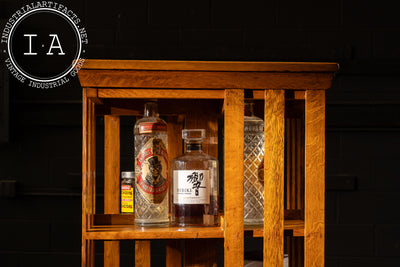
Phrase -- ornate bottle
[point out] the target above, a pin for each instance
(253, 158)
(151, 169)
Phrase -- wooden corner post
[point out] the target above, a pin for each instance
(314, 225)
(88, 175)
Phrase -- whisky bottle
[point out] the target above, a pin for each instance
(151, 169)
(194, 184)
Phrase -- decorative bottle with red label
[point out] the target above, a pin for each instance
(151, 169)
(194, 184)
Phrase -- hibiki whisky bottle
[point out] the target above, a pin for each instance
(151, 169)
(194, 184)
(253, 158)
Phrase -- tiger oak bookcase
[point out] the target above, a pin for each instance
(196, 94)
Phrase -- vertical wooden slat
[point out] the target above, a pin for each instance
(233, 172)
(173, 249)
(314, 241)
(142, 253)
(293, 163)
(290, 184)
(295, 174)
(274, 177)
(300, 251)
(173, 253)
(288, 165)
(203, 115)
(111, 182)
(292, 252)
(299, 164)
(196, 255)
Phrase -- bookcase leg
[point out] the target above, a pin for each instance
(200, 252)
(142, 253)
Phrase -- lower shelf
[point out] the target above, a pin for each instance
(129, 231)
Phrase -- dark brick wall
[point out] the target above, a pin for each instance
(41, 225)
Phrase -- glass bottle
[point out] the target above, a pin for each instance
(127, 203)
(194, 184)
(253, 158)
(151, 169)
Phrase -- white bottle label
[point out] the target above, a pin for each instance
(191, 187)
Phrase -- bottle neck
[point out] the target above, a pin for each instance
(150, 109)
(249, 109)
(194, 147)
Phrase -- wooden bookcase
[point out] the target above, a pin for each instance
(196, 94)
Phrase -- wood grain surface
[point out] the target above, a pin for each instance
(274, 174)
(126, 219)
(85, 246)
(203, 114)
(210, 65)
(142, 253)
(233, 175)
(174, 253)
(111, 182)
(314, 178)
(204, 80)
(295, 177)
(91, 178)
(91, 188)
(175, 125)
(200, 253)
(161, 93)
(93, 95)
(129, 231)
(88, 175)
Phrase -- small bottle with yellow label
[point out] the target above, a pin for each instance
(127, 189)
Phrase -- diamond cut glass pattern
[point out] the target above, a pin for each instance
(253, 156)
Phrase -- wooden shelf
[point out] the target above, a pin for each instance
(120, 232)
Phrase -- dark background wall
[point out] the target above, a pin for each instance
(40, 226)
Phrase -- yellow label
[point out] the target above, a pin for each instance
(126, 199)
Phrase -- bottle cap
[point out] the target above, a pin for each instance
(194, 134)
(127, 174)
